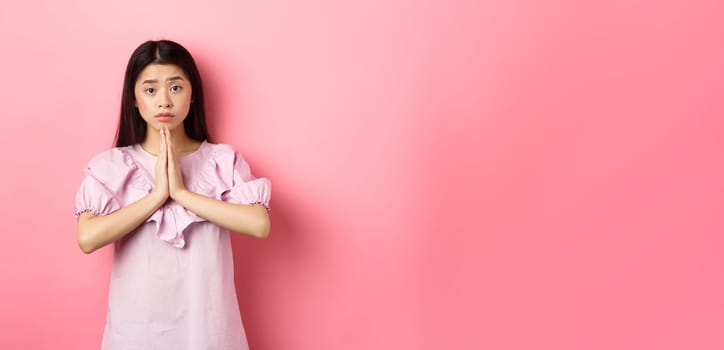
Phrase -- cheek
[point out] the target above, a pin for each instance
(185, 98)
(142, 99)
(144, 104)
(184, 102)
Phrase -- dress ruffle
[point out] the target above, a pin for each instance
(228, 178)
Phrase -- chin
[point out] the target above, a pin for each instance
(171, 126)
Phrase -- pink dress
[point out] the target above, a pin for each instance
(172, 281)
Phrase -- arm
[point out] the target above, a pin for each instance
(251, 220)
(95, 232)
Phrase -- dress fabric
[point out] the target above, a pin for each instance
(172, 279)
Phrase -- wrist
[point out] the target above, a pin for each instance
(158, 197)
(180, 195)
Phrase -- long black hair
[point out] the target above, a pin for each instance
(131, 126)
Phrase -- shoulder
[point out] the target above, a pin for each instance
(111, 167)
(219, 148)
(108, 157)
(113, 159)
(220, 154)
(224, 161)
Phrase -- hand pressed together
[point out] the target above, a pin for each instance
(169, 178)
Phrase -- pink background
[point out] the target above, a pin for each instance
(447, 175)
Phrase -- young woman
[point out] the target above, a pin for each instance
(166, 198)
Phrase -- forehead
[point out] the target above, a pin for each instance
(160, 72)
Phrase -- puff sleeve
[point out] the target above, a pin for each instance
(93, 197)
(245, 188)
(110, 181)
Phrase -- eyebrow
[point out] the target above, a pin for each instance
(151, 81)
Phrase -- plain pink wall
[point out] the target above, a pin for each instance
(447, 175)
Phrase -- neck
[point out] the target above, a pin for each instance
(180, 141)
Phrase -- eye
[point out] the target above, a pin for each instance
(150, 90)
(176, 88)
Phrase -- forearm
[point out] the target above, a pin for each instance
(95, 232)
(250, 220)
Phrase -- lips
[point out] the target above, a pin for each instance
(164, 116)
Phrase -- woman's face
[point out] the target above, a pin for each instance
(163, 96)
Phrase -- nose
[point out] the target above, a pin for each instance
(165, 101)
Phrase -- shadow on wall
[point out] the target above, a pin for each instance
(256, 260)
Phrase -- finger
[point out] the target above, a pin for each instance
(172, 165)
(168, 139)
(167, 136)
(163, 152)
(163, 142)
